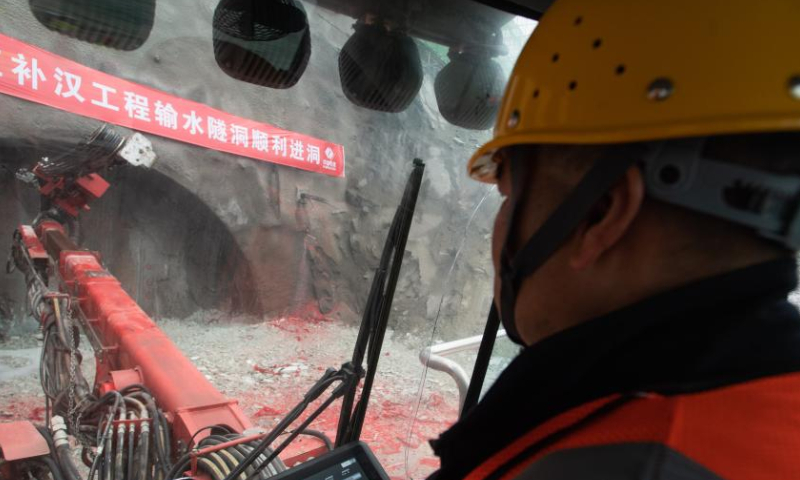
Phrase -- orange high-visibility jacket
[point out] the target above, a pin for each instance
(748, 431)
(717, 363)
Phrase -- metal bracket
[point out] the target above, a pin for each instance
(138, 151)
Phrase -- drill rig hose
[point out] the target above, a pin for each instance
(238, 456)
(68, 467)
(238, 453)
(219, 461)
(159, 431)
(60, 450)
(211, 468)
(225, 461)
(131, 450)
(137, 454)
(51, 462)
(53, 467)
(108, 467)
(119, 469)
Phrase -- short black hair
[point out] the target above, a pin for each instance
(773, 152)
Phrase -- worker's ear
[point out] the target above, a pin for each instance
(610, 220)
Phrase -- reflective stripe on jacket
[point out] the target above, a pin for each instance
(747, 431)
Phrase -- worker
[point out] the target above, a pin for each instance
(648, 153)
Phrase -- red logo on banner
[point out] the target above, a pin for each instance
(34, 74)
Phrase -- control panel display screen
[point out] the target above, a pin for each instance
(354, 461)
(349, 469)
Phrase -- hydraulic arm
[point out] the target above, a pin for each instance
(148, 400)
(150, 413)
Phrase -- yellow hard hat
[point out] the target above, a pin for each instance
(617, 71)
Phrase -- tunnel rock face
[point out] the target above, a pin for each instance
(209, 231)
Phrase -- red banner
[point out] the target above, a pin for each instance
(37, 75)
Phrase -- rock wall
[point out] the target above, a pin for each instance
(207, 230)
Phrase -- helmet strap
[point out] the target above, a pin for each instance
(605, 173)
(674, 172)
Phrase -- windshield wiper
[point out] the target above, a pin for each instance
(369, 342)
(376, 312)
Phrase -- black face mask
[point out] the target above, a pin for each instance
(555, 230)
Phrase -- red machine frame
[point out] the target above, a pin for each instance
(130, 347)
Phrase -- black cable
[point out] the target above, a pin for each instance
(241, 452)
(218, 461)
(104, 461)
(158, 443)
(105, 465)
(291, 437)
(134, 387)
(219, 426)
(167, 435)
(131, 437)
(52, 466)
(48, 437)
(159, 455)
(231, 461)
(108, 464)
(239, 456)
(247, 448)
(46, 410)
(68, 468)
(213, 440)
(178, 466)
(210, 468)
(153, 467)
(317, 434)
(162, 436)
(316, 390)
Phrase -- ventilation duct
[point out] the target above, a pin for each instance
(264, 42)
(379, 69)
(469, 90)
(120, 24)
